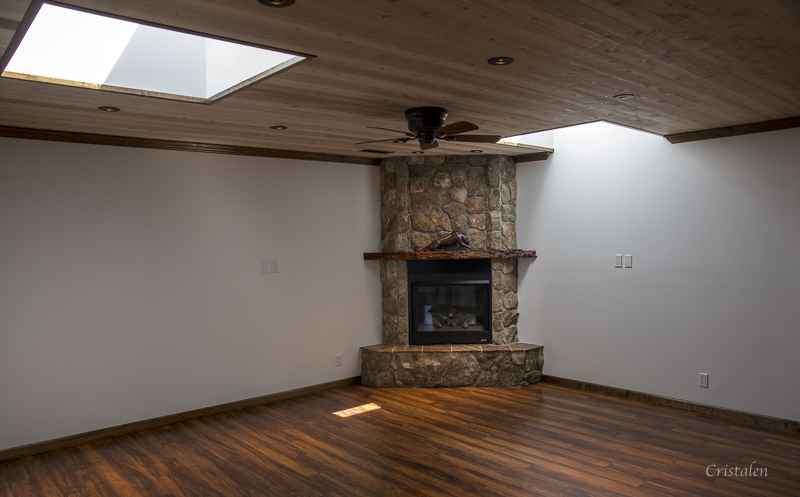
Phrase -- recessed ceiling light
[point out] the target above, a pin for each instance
(279, 127)
(108, 108)
(623, 96)
(476, 151)
(500, 61)
(276, 3)
(72, 47)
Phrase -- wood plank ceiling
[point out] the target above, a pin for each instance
(693, 65)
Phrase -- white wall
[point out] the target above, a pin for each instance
(131, 285)
(714, 228)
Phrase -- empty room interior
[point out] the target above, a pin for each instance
(381, 247)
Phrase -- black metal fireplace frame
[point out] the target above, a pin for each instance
(450, 272)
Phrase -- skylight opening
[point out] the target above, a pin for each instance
(76, 48)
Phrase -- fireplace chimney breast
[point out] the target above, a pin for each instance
(427, 198)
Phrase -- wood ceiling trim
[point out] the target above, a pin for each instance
(536, 156)
(8, 24)
(743, 129)
(180, 146)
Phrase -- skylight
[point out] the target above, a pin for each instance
(75, 48)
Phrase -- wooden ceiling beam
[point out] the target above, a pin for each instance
(742, 129)
(123, 141)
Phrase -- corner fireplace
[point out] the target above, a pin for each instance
(449, 302)
(429, 296)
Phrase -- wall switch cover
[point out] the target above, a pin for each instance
(628, 260)
(617, 260)
(264, 267)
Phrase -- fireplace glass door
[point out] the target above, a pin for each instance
(450, 306)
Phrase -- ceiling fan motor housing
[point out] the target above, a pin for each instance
(424, 121)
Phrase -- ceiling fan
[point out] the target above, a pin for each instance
(426, 124)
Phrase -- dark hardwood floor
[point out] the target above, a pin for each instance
(538, 440)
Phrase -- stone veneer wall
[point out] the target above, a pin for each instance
(426, 198)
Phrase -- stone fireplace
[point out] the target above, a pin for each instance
(425, 198)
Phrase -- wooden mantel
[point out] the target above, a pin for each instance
(424, 255)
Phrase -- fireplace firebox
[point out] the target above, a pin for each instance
(450, 302)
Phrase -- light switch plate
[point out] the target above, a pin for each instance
(628, 260)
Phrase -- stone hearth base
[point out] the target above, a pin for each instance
(512, 365)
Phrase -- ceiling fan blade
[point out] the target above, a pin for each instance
(475, 138)
(388, 140)
(394, 130)
(456, 128)
(428, 146)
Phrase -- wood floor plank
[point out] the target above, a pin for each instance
(41, 478)
(137, 468)
(755, 486)
(23, 488)
(539, 440)
(414, 467)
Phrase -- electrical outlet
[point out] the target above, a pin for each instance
(337, 360)
(704, 380)
(273, 266)
(617, 260)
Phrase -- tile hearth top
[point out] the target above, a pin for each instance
(454, 254)
(383, 348)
